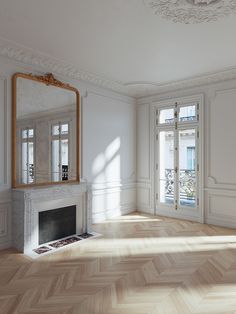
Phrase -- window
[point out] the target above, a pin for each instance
(60, 151)
(191, 158)
(187, 113)
(27, 155)
(166, 116)
(177, 174)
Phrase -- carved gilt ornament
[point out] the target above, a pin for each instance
(192, 11)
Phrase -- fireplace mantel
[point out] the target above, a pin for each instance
(28, 202)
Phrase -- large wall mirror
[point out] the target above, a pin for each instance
(45, 131)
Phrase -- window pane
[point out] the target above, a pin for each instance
(166, 116)
(55, 161)
(191, 158)
(166, 167)
(31, 133)
(55, 129)
(187, 113)
(187, 171)
(25, 133)
(24, 163)
(64, 128)
(64, 159)
(30, 162)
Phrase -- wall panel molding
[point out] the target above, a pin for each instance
(111, 199)
(220, 207)
(212, 180)
(143, 118)
(145, 197)
(5, 224)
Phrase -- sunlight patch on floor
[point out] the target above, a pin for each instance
(157, 245)
(131, 218)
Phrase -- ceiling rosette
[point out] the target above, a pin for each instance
(192, 11)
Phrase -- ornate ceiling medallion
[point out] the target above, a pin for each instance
(192, 11)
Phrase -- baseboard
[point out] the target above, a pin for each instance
(220, 223)
(177, 216)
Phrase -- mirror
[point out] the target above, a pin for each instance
(45, 131)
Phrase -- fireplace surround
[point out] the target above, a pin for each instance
(29, 202)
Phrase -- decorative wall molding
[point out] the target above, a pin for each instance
(5, 224)
(215, 213)
(123, 184)
(33, 58)
(212, 180)
(108, 200)
(144, 195)
(192, 11)
(134, 89)
(144, 116)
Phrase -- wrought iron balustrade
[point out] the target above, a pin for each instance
(181, 119)
(187, 183)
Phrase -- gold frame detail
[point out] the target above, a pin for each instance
(47, 79)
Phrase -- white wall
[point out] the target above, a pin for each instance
(219, 157)
(109, 155)
(108, 148)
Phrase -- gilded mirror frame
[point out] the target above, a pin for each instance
(49, 80)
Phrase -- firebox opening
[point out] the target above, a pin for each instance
(57, 223)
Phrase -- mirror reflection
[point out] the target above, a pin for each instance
(45, 133)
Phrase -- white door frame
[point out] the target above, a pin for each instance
(194, 214)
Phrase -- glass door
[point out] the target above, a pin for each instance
(177, 167)
(187, 157)
(167, 171)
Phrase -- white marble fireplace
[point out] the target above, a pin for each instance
(28, 202)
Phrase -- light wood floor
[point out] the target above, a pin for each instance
(142, 264)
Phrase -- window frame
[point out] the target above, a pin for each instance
(60, 137)
(196, 214)
(27, 140)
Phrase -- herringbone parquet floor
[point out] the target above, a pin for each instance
(142, 264)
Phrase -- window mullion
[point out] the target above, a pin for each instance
(176, 158)
(27, 154)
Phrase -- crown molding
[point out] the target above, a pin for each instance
(137, 89)
(196, 81)
(31, 57)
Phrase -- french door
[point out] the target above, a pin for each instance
(177, 159)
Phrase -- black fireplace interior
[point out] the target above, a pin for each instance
(57, 223)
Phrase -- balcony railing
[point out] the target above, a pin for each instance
(181, 119)
(187, 186)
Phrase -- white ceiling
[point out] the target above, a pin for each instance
(121, 40)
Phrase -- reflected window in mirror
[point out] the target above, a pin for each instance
(27, 155)
(60, 151)
(46, 131)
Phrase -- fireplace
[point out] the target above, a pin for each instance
(45, 214)
(57, 223)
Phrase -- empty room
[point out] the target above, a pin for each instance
(117, 157)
